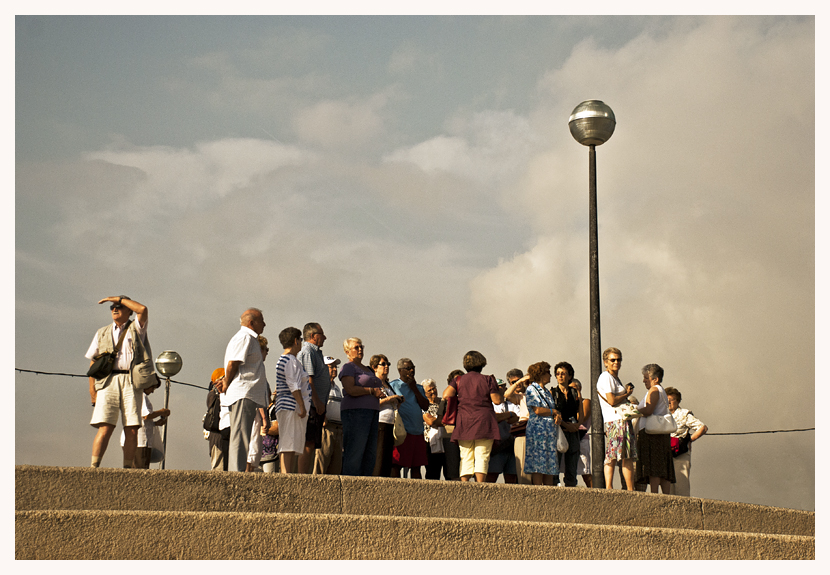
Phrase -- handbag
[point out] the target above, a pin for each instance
(561, 441)
(157, 452)
(274, 429)
(398, 429)
(519, 429)
(660, 424)
(102, 363)
(211, 419)
(451, 412)
(143, 371)
(679, 446)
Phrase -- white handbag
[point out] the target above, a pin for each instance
(398, 430)
(561, 441)
(660, 424)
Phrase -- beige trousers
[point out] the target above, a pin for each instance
(519, 453)
(682, 469)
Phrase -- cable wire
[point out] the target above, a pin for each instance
(86, 376)
(753, 432)
(207, 388)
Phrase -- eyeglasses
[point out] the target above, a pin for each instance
(383, 364)
(561, 374)
(116, 306)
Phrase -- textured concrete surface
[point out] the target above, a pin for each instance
(71, 513)
(40, 488)
(199, 535)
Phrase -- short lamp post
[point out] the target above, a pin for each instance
(592, 124)
(168, 364)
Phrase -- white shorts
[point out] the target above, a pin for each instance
(292, 431)
(119, 397)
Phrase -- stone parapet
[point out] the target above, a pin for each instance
(74, 513)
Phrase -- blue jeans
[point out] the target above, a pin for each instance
(360, 440)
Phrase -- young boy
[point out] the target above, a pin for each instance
(293, 399)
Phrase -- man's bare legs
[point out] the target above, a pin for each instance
(100, 443)
(287, 461)
(306, 460)
(130, 443)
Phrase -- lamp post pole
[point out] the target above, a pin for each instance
(168, 363)
(592, 124)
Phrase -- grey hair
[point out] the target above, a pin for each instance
(427, 383)
(515, 372)
(403, 361)
(653, 371)
(310, 330)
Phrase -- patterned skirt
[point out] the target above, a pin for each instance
(620, 441)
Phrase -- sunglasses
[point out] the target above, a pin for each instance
(383, 364)
(614, 359)
(116, 306)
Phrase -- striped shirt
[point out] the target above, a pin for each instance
(291, 376)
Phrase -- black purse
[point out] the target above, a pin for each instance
(211, 421)
(102, 363)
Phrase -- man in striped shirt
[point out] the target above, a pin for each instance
(293, 390)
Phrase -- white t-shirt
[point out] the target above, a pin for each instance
(662, 407)
(249, 382)
(607, 383)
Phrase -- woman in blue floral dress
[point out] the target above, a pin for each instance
(541, 458)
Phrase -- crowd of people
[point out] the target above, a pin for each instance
(522, 428)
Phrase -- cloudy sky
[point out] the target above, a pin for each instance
(412, 181)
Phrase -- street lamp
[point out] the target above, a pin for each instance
(168, 363)
(592, 124)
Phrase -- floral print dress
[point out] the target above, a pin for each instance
(540, 443)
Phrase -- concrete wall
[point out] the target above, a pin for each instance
(66, 513)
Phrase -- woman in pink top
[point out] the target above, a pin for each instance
(475, 423)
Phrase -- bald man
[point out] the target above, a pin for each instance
(244, 386)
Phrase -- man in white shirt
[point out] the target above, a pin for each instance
(244, 387)
(115, 394)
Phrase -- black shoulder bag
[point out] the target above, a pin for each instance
(102, 363)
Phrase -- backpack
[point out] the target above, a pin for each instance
(211, 420)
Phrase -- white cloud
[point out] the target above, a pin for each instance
(488, 148)
(706, 206)
(341, 124)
